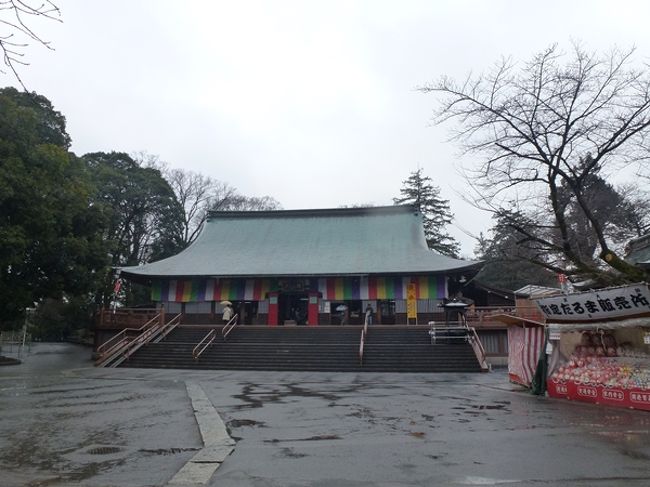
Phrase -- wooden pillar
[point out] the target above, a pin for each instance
(273, 308)
(312, 309)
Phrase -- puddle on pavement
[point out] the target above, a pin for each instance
(41, 390)
(104, 450)
(635, 454)
(81, 404)
(167, 451)
(65, 472)
(362, 412)
(436, 457)
(255, 396)
(238, 423)
(291, 453)
(311, 438)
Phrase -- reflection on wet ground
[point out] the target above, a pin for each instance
(74, 425)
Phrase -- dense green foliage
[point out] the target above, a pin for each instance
(67, 222)
(509, 265)
(418, 190)
(50, 240)
(512, 256)
(141, 211)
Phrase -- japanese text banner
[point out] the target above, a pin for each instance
(619, 302)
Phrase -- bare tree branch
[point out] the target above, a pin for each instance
(548, 128)
(16, 33)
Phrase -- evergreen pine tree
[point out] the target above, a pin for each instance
(418, 191)
(509, 263)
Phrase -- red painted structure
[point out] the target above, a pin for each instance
(273, 308)
(633, 398)
(312, 309)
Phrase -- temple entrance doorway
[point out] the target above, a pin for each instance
(386, 312)
(247, 311)
(292, 308)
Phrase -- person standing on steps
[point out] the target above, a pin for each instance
(228, 313)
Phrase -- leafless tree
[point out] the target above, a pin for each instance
(16, 33)
(249, 203)
(541, 132)
(198, 194)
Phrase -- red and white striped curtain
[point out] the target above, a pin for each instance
(524, 344)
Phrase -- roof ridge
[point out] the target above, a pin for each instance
(316, 212)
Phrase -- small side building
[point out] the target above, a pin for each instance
(637, 252)
(306, 267)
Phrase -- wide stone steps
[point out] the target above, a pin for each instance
(387, 349)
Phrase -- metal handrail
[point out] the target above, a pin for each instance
(476, 344)
(475, 341)
(470, 336)
(225, 331)
(103, 348)
(460, 327)
(146, 337)
(118, 354)
(362, 343)
(167, 329)
(121, 348)
(210, 337)
(443, 332)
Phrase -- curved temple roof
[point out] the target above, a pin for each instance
(356, 241)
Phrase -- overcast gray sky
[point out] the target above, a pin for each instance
(311, 102)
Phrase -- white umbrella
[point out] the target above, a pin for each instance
(341, 307)
(225, 303)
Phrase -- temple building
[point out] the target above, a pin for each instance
(306, 267)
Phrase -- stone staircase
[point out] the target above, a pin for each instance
(409, 349)
(322, 348)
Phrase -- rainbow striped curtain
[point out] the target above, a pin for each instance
(331, 288)
(184, 291)
(339, 288)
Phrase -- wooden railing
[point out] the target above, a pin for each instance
(225, 331)
(125, 317)
(482, 316)
(205, 342)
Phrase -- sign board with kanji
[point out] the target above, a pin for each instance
(619, 302)
(411, 302)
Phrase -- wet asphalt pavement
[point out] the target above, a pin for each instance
(64, 423)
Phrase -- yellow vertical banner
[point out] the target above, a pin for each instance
(411, 302)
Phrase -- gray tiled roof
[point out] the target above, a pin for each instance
(357, 241)
(638, 251)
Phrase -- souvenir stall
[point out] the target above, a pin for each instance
(599, 346)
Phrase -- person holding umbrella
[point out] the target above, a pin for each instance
(228, 312)
(343, 316)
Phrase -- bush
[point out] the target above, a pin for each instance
(59, 320)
